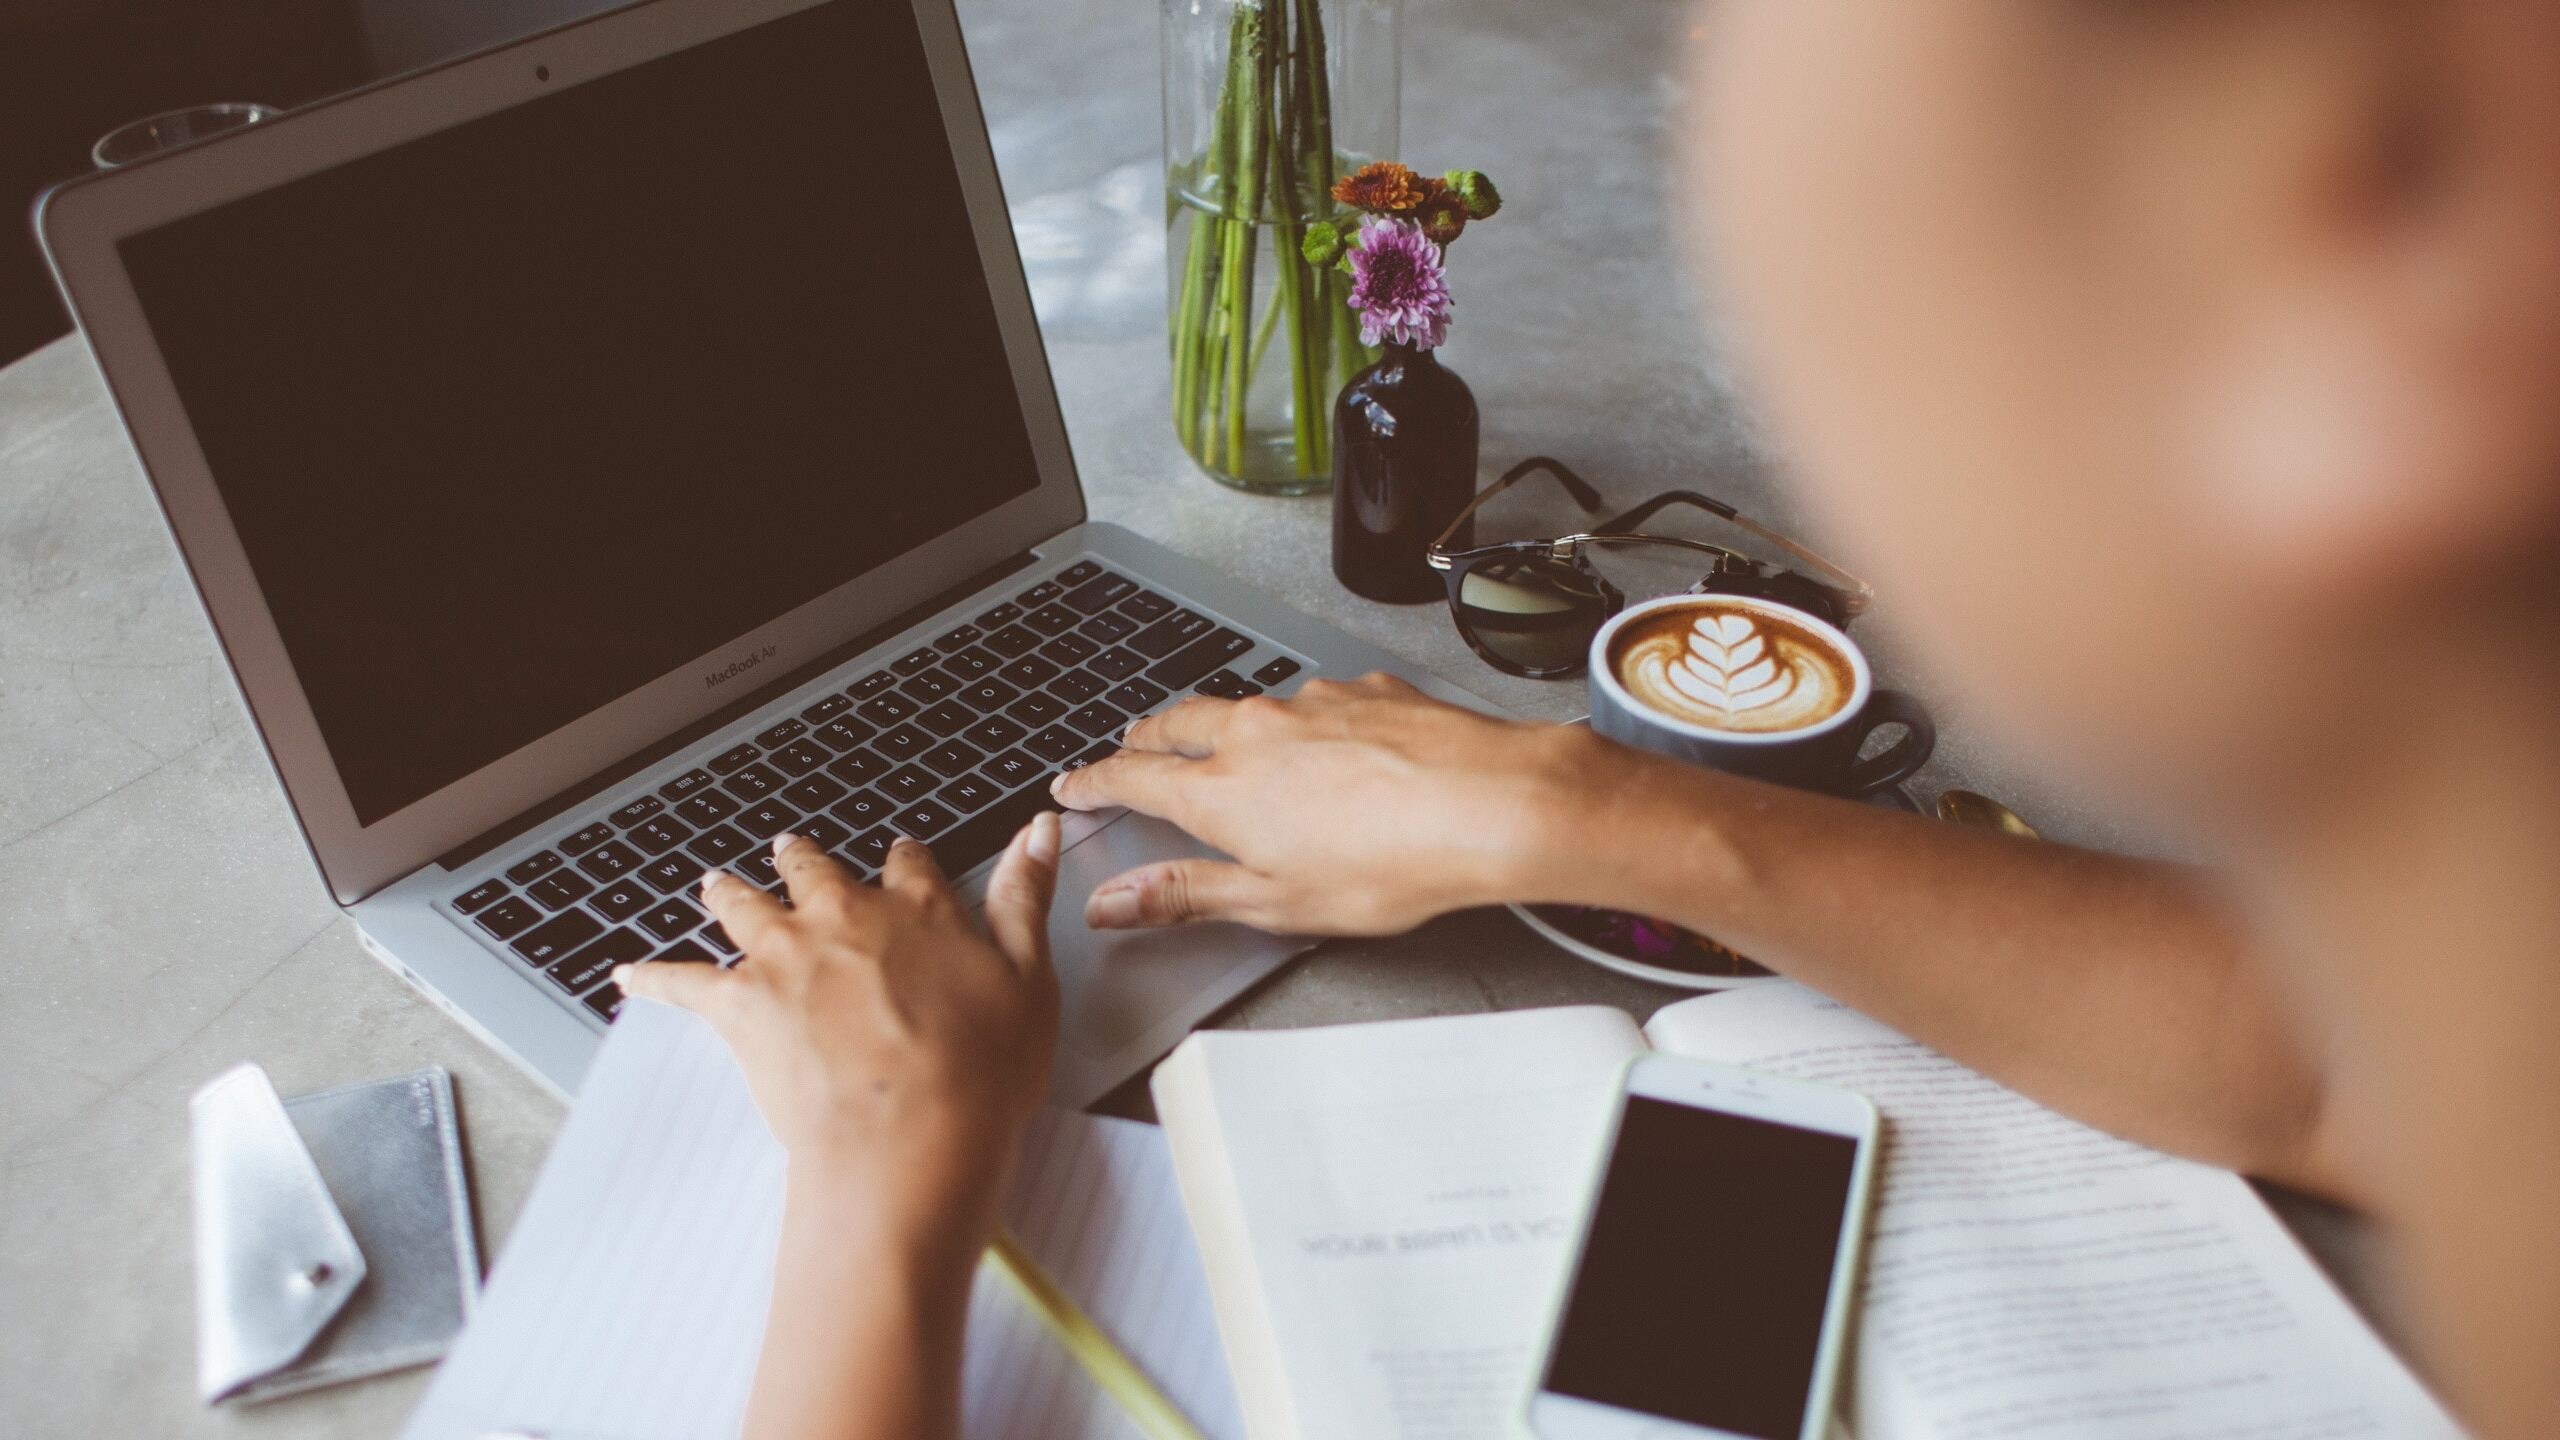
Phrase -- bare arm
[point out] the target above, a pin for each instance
(2115, 990)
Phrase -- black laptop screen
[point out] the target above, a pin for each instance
(518, 417)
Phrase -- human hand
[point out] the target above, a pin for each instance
(890, 1044)
(1351, 809)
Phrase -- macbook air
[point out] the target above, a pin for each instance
(602, 454)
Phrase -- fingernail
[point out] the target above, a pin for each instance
(620, 973)
(713, 879)
(1043, 844)
(1112, 909)
(784, 841)
(1057, 780)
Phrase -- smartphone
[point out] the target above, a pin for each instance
(1709, 1294)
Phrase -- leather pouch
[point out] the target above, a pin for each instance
(333, 1231)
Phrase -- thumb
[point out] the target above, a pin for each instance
(1176, 893)
(1019, 893)
(702, 989)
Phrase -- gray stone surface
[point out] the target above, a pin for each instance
(159, 921)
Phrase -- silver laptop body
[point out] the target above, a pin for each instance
(597, 454)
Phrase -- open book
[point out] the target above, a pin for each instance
(1385, 1209)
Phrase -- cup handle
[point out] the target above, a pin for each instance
(1901, 760)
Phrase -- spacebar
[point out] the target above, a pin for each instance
(988, 831)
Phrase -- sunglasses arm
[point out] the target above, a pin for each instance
(1580, 489)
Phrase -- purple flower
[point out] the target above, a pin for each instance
(1398, 286)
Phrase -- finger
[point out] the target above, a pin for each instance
(1149, 783)
(702, 989)
(810, 873)
(747, 913)
(912, 871)
(1191, 729)
(1020, 892)
(1178, 892)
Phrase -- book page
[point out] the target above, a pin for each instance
(630, 1301)
(1403, 1195)
(2031, 1277)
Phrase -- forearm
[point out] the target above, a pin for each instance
(2115, 990)
(864, 1337)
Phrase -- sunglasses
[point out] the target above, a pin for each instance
(1530, 607)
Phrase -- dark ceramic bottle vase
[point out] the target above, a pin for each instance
(1404, 465)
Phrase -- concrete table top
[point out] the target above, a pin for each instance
(159, 920)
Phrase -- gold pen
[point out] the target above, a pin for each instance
(1086, 1344)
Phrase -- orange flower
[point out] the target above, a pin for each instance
(1382, 187)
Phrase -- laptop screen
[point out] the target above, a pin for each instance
(520, 416)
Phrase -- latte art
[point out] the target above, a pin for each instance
(1732, 667)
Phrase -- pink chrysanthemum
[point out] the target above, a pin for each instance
(1399, 287)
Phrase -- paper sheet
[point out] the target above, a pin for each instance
(630, 1301)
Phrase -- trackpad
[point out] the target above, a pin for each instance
(1120, 987)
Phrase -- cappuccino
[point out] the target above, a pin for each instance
(1732, 666)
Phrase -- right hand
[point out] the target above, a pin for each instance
(1351, 809)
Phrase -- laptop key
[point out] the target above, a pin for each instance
(972, 664)
(1042, 593)
(587, 839)
(888, 709)
(766, 818)
(623, 899)
(959, 639)
(760, 870)
(1098, 718)
(719, 845)
(1109, 629)
(871, 848)
(1030, 672)
(954, 757)
(1117, 665)
(1076, 687)
(561, 890)
(915, 660)
(1139, 696)
(827, 709)
(825, 831)
(1146, 607)
(637, 811)
(1079, 572)
(1000, 616)
(923, 820)
(800, 757)
(969, 843)
(671, 873)
(754, 783)
(1227, 685)
(1036, 708)
(782, 734)
(928, 687)
(1051, 620)
(859, 768)
(993, 733)
(685, 784)
(967, 794)
(716, 936)
(948, 718)
(908, 785)
(1275, 672)
(1014, 641)
(1055, 744)
(879, 682)
(708, 808)
(479, 897)
(1099, 594)
(989, 695)
(508, 918)
(1012, 768)
(815, 793)
(862, 809)
(844, 732)
(595, 960)
(685, 952)
(1198, 658)
(1071, 649)
(732, 760)
(903, 742)
(610, 861)
(660, 835)
(557, 936)
(534, 867)
(1170, 634)
(672, 917)
(1104, 750)
(605, 1000)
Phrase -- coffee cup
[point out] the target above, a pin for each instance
(1752, 687)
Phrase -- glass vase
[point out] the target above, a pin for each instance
(1266, 104)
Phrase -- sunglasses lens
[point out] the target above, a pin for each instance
(1536, 613)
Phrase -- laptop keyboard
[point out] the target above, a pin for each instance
(953, 744)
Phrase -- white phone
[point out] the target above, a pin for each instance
(1710, 1291)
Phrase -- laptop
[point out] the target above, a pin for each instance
(599, 455)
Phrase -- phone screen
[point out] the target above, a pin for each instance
(1702, 1286)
